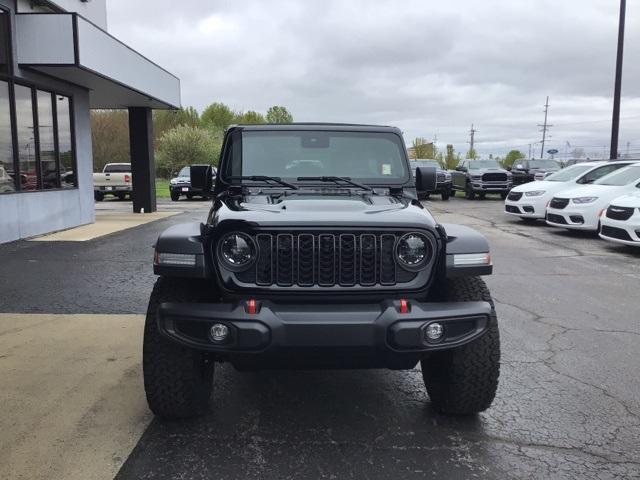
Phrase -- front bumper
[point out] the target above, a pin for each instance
(490, 187)
(321, 328)
(573, 217)
(626, 232)
(526, 207)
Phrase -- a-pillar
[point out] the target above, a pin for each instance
(143, 163)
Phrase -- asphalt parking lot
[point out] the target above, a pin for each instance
(568, 404)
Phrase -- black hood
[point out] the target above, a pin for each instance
(318, 210)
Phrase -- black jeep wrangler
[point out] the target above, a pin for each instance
(317, 254)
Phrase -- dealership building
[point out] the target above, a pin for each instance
(57, 61)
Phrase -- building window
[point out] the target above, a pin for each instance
(5, 42)
(65, 142)
(47, 141)
(7, 180)
(26, 138)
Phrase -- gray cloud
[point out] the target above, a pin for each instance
(428, 67)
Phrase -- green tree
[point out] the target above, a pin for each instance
(164, 120)
(218, 117)
(511, 158)
(250, 117)
(110, 137)
(472, 154)
(421, 148)
(185, 145)
(451, 159)
(279, 114)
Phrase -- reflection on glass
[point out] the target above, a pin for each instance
(67, 172)
(7, 182)
(48, 168)
(4, 41)
(26, 142)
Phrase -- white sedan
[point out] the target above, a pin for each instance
(580, 208)
(621, 221)
(529, 201)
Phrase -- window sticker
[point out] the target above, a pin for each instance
(386, 169)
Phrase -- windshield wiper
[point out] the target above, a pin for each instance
(265, 178)
(337, 180)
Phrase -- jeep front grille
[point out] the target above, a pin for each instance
(326, 260)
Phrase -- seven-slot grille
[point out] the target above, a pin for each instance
(494, 177)
(559, 203)
(619, 213)
(515, 196)
(326, 260)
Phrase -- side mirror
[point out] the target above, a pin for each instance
(201, 177)
(426, 179)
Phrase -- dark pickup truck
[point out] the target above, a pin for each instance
(479, 177)
(316, 253)
(525, 171)
(443, 179)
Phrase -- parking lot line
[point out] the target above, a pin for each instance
(71, 397)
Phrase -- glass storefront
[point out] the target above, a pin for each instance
(7, 180)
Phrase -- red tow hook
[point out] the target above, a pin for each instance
(405, 306)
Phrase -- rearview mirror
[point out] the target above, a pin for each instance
(520, 166)
(426, 179)
(201, 177)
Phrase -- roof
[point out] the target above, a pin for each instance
(308, 126)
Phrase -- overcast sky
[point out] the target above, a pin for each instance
(428, 67)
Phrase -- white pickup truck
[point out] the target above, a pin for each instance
(115, 180)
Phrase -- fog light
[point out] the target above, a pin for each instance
(219, 332)
(434, 331)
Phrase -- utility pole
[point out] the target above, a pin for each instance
(615, 122)
(530, 151)
(545, 127)
(473, 134)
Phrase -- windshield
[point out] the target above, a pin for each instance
(366, 157)
(474, 164)
(569, 173)
(621, 177)
(185, 172)
(543, 164)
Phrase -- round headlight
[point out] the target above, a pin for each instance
(413, 250)
(237, 250)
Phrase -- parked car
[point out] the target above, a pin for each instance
(115, 180)
(443, 178)
(479, 177)
(6, 181)
(343, 270)
(574, 161)
(181, 184)
(525, 171)
(580, 208)
(529, 201)
(620, 222)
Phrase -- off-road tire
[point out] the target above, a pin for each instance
(464, 380)
(189, 196)
(177, 380)
(98, 196)
(469, 194)
(175, 196)
(446, 194)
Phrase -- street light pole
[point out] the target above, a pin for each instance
(615, 123)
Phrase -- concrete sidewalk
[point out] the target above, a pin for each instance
(72, 399)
